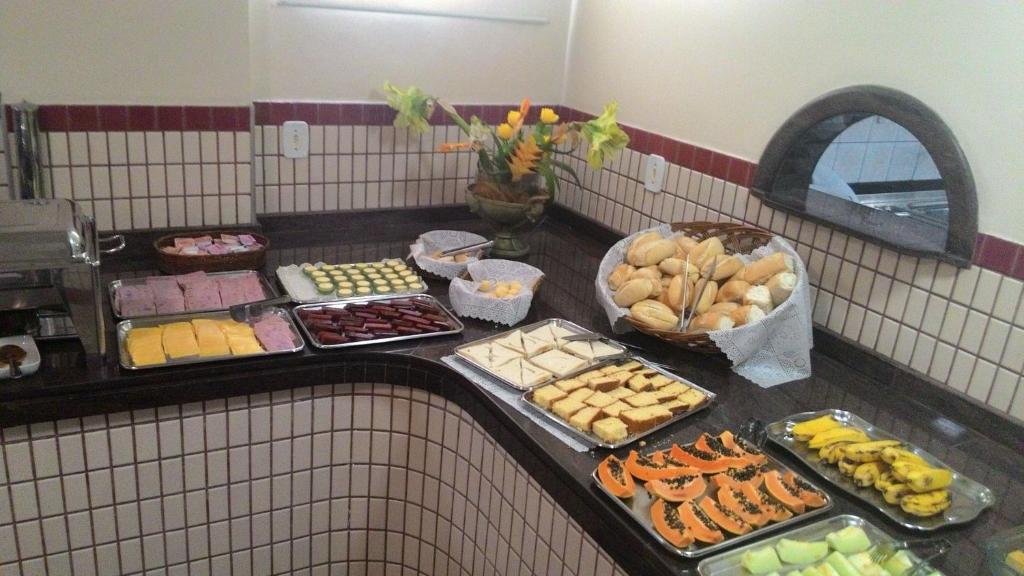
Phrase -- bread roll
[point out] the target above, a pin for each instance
(679, 286)
(746, 315)
(619, 276)
(706, 250)
(654, 314)
(781, 286)
(640, 241)
(711, 321)
(741, 274)
(724, 307)
(685, 243)
(634, 291)
(704, 295)
(760, 271)
(725, 266)
(732, 291)
(759, 296)
(652, 252)
(651, 272)
(674, 266)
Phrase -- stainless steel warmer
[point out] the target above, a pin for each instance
(50, 258)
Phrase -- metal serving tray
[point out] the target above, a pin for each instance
(639, 507)
(318, 298)
(124, 326)
(593, 439)
(529, 327)
(112, 288)
(969, 497)
(347, 302)
(728, 563)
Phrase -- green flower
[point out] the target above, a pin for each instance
(605, 137)
(414, 107)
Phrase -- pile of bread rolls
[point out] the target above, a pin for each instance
(664, 278)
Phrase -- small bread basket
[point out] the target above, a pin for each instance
(468, 301)
(438, 240)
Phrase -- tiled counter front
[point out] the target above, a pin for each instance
(961, 328)
(349, 479)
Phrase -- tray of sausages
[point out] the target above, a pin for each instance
(375, 320)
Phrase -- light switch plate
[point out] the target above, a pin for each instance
(654, 173)
(295, 139)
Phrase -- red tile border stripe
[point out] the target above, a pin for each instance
(113, 118)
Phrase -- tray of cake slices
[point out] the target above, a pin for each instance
(186, 293)
(535, 354)
(616, 402)
(716, 492)
(320, 282)
(375, 320)
(145, 343)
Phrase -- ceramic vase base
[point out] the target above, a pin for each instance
(507, 245)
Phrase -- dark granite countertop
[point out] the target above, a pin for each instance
(568, 249)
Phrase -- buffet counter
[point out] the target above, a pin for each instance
(391, 377)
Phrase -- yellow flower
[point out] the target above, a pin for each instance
(524, 160)
(505, 131)
(548, 116)
(513, 117)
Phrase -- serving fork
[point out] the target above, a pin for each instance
(924, 550)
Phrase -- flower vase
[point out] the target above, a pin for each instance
(510, 209)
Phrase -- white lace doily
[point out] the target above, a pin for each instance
(772, 351)
(468, 301)
(436, 240)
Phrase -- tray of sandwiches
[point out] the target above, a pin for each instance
(205, 337)
(716, 492)
(186, 293)
(308, 283)
(375, 320)
(536, 354)
(617, 402)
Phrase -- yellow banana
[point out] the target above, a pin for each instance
(826, 451)
(806, 430)
(892, 454)
(848, 467)
(894, 492)
(836, 455)
(868, 451)
(901, 468)
(849, 434)
(928, 479)
(868, 473)
(884, 481)
(926, 503)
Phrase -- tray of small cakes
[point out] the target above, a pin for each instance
(619, 401)
(308, 283)
(375, 320)
(716, 492)
(535, 354)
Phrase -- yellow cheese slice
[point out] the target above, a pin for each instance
(145, 346)
(242, 345)
(179, 340)
(211, 340)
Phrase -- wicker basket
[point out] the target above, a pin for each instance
(737, 238)
(185, 263)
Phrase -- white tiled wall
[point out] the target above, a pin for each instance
(140, 180)
(351, 479)
(962, 328)
(360, 167)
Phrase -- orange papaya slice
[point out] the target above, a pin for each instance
(733, 500)
(782, 492)
(810, 495)
(651, 467)
(725, 519)
(667, 522)
(714, 444)
(748, 452)
(776, 512)
(697, 522)
(614, 477)
(703, 460)
(735, 476)
(678, 488)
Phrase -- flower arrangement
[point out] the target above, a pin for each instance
(515, 159)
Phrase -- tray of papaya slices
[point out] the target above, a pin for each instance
(714, 493)
(910, 486)
(838, 545)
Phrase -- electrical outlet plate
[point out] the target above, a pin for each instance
(654, 173)
(295, 139)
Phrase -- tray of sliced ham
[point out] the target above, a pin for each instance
(186, 293)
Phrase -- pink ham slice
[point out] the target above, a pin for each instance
(231, 291)
(185, 279)
(274, 334)
(202, 294)
(134, 301)
(166, 294)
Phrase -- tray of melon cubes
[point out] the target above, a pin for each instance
(714, 493)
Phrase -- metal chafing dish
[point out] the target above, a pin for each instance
(49, 260)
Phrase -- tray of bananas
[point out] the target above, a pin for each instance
(910, 486)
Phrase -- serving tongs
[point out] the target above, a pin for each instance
(253, 311)
(685, 319)
(468, 248)
(593, 337)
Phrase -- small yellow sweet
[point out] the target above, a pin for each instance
(501, 291)
(485, 286)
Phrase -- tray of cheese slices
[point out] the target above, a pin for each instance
(618, 401)
(536, 354)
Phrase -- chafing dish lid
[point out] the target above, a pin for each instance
(44, 232)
